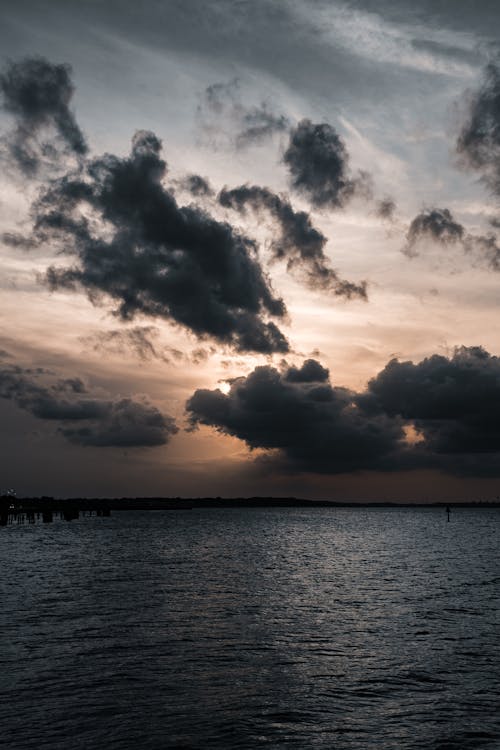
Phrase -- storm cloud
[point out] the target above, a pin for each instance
(313, 425)
(132, 242)
(318, 162)
(84, 418)
(298, 241)
(452, 404)
(38, 93)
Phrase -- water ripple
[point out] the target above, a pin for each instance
(347, 629)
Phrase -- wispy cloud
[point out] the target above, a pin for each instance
(368, 35)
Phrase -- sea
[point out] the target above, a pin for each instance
(339, 628)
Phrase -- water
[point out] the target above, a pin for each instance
(320, 628)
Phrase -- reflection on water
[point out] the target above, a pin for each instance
(320, 628)
(15, 517)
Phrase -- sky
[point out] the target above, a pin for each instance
(250, 248)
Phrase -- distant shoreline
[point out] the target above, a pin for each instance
(45, 504)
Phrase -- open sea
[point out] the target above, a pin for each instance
(275, 628)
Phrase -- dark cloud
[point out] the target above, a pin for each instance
(436, 224)
(126, 424)
(223, 116)
(310, 372)
(314, 425)
(196, 185)
(18, 240)
(84, 418)
(439, 226)
(299, 242)
(386, 208)
(479, 140)
(453, 402)
(132, 242)
(318, 162)
(37, 94)
(450, 406)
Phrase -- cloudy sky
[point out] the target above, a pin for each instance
(250, 248)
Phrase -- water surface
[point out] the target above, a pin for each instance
(307, 628)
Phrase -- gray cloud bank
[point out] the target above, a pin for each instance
(315, 426)
(310, 425)
(82, 417)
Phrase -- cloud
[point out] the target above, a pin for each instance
(299, 242)
(224, 118)
(486, 248)
(126, 424)
(18, 241)
(198, 186)
(143, 342)
(439, 226)
(386, 208)
(478, 143)
(259, 123)
(449, 405)
(37, 94)
(310, 372)
(313, 425)
(132, 242)
(318, 162)
(384, 35)
(436, 224)
(83, 418)
(139, 340)
(454, 402)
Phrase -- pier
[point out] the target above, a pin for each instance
(46, 510)
(15, 510)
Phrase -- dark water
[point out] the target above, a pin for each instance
(252, 628)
